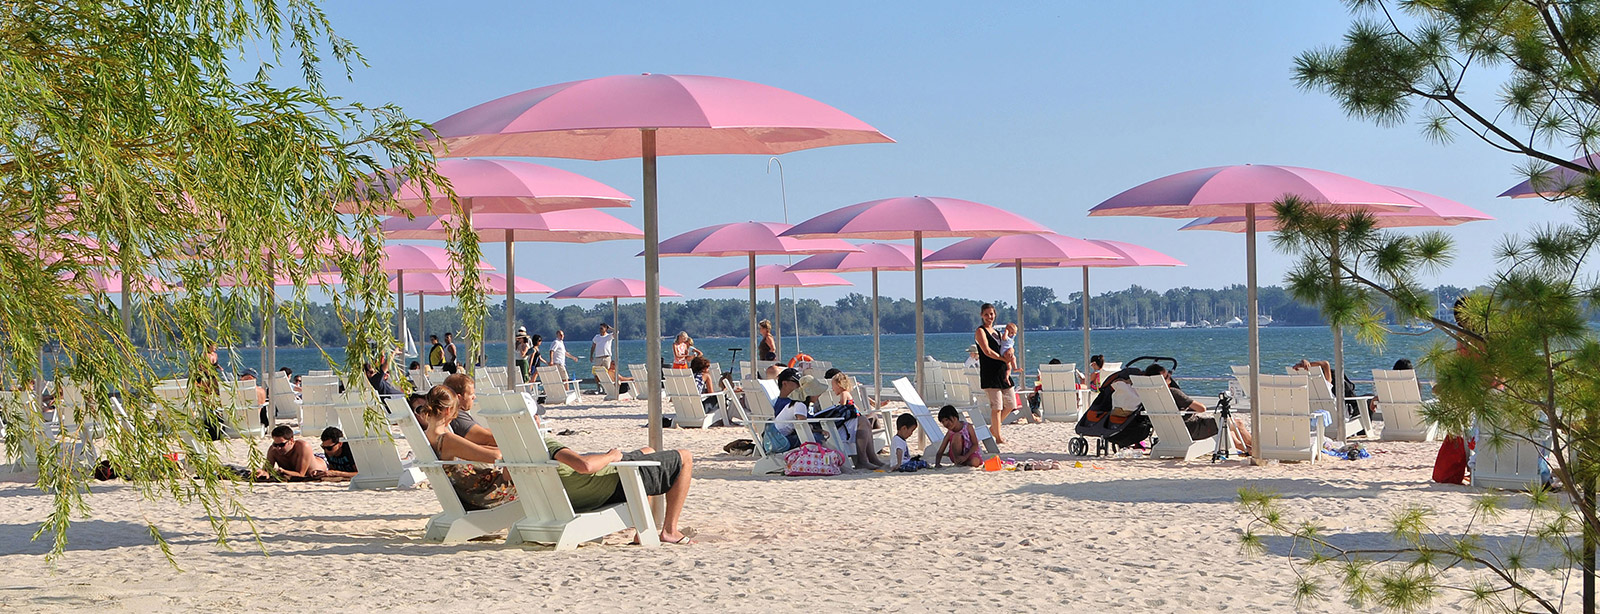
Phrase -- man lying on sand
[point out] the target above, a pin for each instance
(291, 458)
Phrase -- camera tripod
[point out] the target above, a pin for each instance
(1224, 447)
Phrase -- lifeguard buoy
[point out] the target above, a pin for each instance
(799, 358)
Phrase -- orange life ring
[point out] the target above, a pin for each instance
(799, 358)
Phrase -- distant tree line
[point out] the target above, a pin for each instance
(851, 314)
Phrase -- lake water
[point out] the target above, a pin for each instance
(1200, 352)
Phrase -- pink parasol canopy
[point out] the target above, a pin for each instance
(1128, 255)
(775, 276)
(916, 218)
(611, 288)
(496, 186)
(1556, 181)
(574, 226)
(648, 116)
(440, 284)
(1431, 211)
(1018, 249)
(750, 239)
(400, 258)
(1245, 190)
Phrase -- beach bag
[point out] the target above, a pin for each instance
(812, 458)
(1450, 467)
(773, 441)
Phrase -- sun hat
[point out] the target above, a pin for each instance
(789, 375)
(972, 349)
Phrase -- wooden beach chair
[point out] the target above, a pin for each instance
(455, 524)
(641, 379)
(496, 378)
(545, 511)
(240, 413)
(1344, 425)
(1515, 463)
(1288, 430)
(556, 390)
(612, 388)
(18, 409)
(1172, 436)
(933, 389)
(281, 398)
(378, 460)
(756, 417)
(316, 403)
(1400, 398)
(1059, 397)
(688, 402)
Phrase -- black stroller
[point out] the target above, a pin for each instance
(1112, 427)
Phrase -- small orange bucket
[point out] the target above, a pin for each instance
(992, 464)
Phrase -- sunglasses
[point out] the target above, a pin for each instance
(280, 444)
(329, 447)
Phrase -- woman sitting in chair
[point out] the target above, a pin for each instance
(479, 486)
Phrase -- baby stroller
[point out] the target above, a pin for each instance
(1114, 427)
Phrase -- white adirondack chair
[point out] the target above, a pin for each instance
(546, 511)
(17, 409)
(316, 403)
(1288, 430)
(933, 389)
(641, 377)
(758, 398)
(760, 368)
(756, 417)
(556, 390)
(240, 413)
(1344, 426)
(611, 387)
(1172, 436)
(1400, 398)
(1239, 387)
(283, 401)
(1060, 400)
(688, 402)
(1512, 465)
(315, 373)
(73, 414)
(455, 524)
(378, 460)
(419, 380)
(496, 377)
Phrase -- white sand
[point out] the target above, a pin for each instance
(1133, 535)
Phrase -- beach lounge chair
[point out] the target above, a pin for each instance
(419, 380)
(756, 419)
(611, 387)
(640, 377)
(1400, 398)
(1517, 463)
(496, 377)
(455, 524)
(1344, 425)
(1239, 387)
(1172, 436)
(688, 402)
(378, 460)
(241, 415)
(881, 433)
(1060, 400)
(933, 390)
(1288, 430)
(546, 514)
(316, 404)
(281, 397)
(556, 390)
(16, 409)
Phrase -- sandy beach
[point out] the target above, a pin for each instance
(1117, 534)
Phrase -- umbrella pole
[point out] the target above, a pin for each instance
(1022, 333)
(1085, 325)
(1254, 327)
(753, 353)
(269, 341)
(777, 319)
(616, 331)
(652, 290)
(1338, 345)
(877, 377)
(127, 313)
(916, 249)
(400, 303)
(422, 330)
(511, 309)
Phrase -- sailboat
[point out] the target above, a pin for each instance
(411, 344)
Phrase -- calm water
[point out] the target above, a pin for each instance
(1199, 352)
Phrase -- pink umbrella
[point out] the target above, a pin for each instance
(646, 116)
(916, 217)
(401, 258)
(1128, 255)
(777, 277)
(1018, 249)
(440, 284)
(495, 186)
(749, 239)
(1232, 190)
(1556, 181)
(872, 257)
(611, 288)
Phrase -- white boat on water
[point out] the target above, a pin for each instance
(1234, 322)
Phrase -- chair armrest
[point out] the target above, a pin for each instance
(502, 463)
(636, 464)
(1360, 397)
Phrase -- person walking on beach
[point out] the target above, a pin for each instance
(435, 352)
(558, 353)
(524, 345)
(768, 348)
(600, 348)
(993, 372)
(450, 349)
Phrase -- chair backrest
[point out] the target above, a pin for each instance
(1285, 431)
(318, 390)
(641, 375)
(556, 391)
(324, 373)
(758, 397)
(1397, 386)
(1154, 394)
(279, 384)
(72, 406)
(925, 419)
(933, 389)
(525, 455)
(680, 382)
(428, 462)
(1058, 378)
(1285, 395)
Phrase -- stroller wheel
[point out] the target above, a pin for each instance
(1078, 446)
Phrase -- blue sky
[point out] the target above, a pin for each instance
(1044, 109)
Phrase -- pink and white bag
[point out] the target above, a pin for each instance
(812, 458)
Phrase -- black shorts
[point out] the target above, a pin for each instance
(658, 479)
(1200, 427)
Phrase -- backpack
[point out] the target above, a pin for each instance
(1450, 467)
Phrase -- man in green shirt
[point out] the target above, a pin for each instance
(592, 483)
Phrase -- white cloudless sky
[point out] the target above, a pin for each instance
(1044, 109)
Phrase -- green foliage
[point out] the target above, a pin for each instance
(135, 141)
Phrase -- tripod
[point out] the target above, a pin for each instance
(1224, 416)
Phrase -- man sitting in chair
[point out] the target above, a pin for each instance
(464, 424)
(592, 483)
(1200, 425)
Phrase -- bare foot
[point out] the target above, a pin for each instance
(676, 538)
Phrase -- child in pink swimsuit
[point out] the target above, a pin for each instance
(960, 440)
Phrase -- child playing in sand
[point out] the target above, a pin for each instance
(900, 448)
(960, 443)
